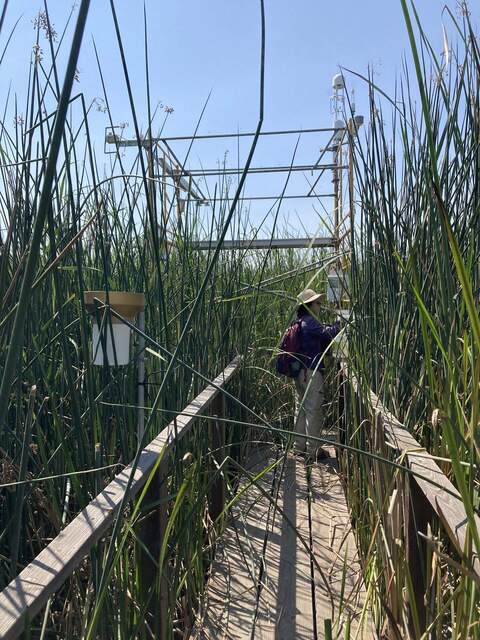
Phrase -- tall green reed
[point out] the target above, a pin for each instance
(414, 288)
(118, 232)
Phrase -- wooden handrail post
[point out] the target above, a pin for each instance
(418, 514)
(217, 443)
(162, 526)
(151, 534)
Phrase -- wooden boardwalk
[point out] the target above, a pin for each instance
(286, 566)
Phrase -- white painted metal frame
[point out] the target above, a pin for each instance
(268, 243)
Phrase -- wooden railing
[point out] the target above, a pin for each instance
(444, 500)
(415, 501)
(28, 593)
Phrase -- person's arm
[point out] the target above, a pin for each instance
(331, 330)
(322, 331)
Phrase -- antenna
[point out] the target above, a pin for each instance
(338, 106)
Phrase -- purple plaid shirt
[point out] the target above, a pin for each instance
(315, 338)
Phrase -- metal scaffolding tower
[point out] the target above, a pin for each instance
(184, 182)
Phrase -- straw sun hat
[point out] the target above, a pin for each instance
(307, 296)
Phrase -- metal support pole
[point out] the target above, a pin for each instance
(351, 204)
(340, 193)
(179, 202)
(164, 196)
(141, 378)
(335, 196)
(151, 181)
(354, 125)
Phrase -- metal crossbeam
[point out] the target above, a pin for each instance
(112, 138)
(300, 196)
(267, 243)
(296, 167)
(250, 134)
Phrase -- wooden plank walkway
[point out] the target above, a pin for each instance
(287, 561)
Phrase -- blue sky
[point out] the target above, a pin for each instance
(197, 47)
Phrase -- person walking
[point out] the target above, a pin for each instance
(315, 337)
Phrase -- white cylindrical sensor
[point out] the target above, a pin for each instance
(117, 351)
(338, 82)
(116, 331)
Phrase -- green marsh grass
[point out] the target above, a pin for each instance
(415, 341)
(69, 426)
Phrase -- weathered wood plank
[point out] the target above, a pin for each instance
(230, 601)
(286, 609)
(263, 583)
(29, 591)
(339, 591)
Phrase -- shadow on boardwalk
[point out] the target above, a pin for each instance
(287, 561)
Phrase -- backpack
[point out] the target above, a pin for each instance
(289, 360)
